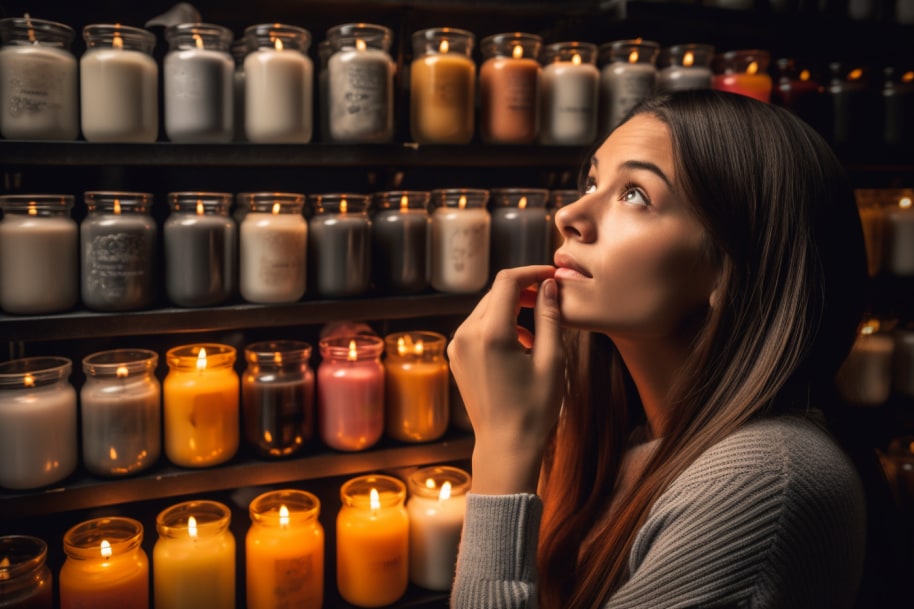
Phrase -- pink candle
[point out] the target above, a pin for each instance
(350, 391)
(744, 72)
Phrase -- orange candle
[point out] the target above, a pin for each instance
(744, 72)
(442, 86)
(417, 386)
(284, 551)
(509, 82)
(105, 566)
(372, 541)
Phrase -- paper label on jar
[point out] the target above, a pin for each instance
(113, 261)
(464, 245)
(33, 88)
(279, 261)
(293, 579)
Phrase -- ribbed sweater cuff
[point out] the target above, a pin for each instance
(501, 534)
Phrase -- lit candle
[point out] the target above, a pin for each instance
(442, 86)
(273, 247)
(37, 80)
(520, 228)
(629, 75)
(201, 405)
(399, 238)
(284, 551)
(350, 391)
(795, 89)
(570, 94)
(509, 88)
(899, 232)
(193, 560)
(851, 111)
(119, 84)
(744, 72)
(106, 567)
(436, 508)
(460, 239)
(279, 84)
(685, 66)
(38, 437)
(416, 378)
(340, 248)
(872, 219)
(865, 377)
(372, 541)
(897, 106)
(26, 581)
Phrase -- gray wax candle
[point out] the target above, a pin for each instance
(399, 237)
(520, 228)
(340, 245)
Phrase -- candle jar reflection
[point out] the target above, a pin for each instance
(399, 238)
(26, 581)
(416, 381)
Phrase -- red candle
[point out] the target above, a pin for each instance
(744, 72)
(509, 82)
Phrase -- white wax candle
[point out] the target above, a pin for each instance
(279, 96)
(273, 251)
(865, 377)
(459, 257)
(570, 94)
(899, 238)
(360, 95)
(199, 95)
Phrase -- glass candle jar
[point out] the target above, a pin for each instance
(279, 84)
(442, 86)
(340, 248)
(872, 219)
(119, 84)
(277, 391)
(106, 566)
(897, 106)
(39, 254)
(372, 541)
(684, 67)
(795, 88)
(193, 559)
(274, 247)
(628, 75)
(520, 228)
(26, 581)
(201, 405)
(898, 206)
(744, 72)
(201, 244)
(360, 79)
(285, 551)
(865, 377)
(509, 88)
(118, 251)
(350, 391)
(121, 412)
(38, 435)
(38, 91)
(460, 238)
(436, 507)
(399, 238)
(570, 94)
(416, 381)
(198, 83)
(851, 105)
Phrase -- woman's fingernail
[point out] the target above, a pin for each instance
(550, 291)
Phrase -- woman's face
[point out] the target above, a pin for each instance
(634, 262)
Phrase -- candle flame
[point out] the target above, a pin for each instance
(576, 59)
(855, 74)
(112, 453)
(277, 43)
(117, 42)
(444, 47)
(445, 492)
(344, 206)
(198, 41)
(276, 207)
(29, 380)
(199, 207)
(353, 352)
(117, 206)
(871, 326)
(633, 57)
(201, 359)
(277, 357)
(404, 203)
(907, 77)
(121, 372)
(4, 566)
(28, 21)
(419, 348)
(33, 208)
(752, 68)
(517, 52)
(401, 345)
(360, 44)
(522, 204)
(374, 500)
(106, 549)
(267, 436)
(462, 203)
(429, 483)
(192, 526)
(904, 203)
(688, 59)
(283, 516)
(805, 75)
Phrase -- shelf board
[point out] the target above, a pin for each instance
(83, 491)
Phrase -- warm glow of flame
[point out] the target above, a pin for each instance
(522, 204)
(277, 357)
(517, 52)
(374, 500)
(401, 345)
(283, 516)
(201, 359)
(855, 74)
(121, 372)
(445, 492)
(277, 43)
(112, 453)
(344, 206)
(904, 203)
(267, 436)
(198, 41)
(192, 526)
(444, 47)
(907, 77)
(404, 203)
(4, 569)
(871, 326)
(429, 483)
(106, 549)
(117, 42)
(462, 203)
(33, 40)
(633, 57)
(353, 352)
(752, 68)
(688, 59)
(419, 348)
(576, 59)
(805, 75)
(199, 207)
(29, 380)
(33, 208)
(276, 207)
(360, 44)
(117, 206)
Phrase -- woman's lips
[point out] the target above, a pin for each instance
(567, 268)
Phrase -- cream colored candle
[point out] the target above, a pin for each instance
(899, 233)
(460, 238)
(570, 94)
(416, 382)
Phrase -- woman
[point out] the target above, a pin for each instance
(710, 283)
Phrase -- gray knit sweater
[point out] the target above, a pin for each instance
(773, 516)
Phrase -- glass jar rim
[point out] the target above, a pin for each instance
(35, 371)
(393, 199)
(133, 201)
(213, 36)
(460, 42)
(372, 34)
(419, 344)
(212, 517)
(511, 197)
(702, 54)
(201, 202)
(356, 492)
(26, 554)
(275, 202)
(356, 347)
(418, 481)
(355, 203)
(460, 197)
(25, 203)
(84, 540)
(35, 29)
(186, 357)
(564, 51)
(120, 362)
(104, 34)
(266, 35)
(497, 45)
(303, 507)
(278, 352)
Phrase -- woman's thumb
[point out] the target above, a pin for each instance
(547, 348)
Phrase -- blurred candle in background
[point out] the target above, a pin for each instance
(509, 88)
(399, 238)
(460, 240)
(442, 86)
(628, 75)
(865, 377)
(897, 107)
(26, 581)
(570, 94)
(903, 362)
(744, 72)
(520, 228)
(796, 88)
(685, 66)
(852, 109)
(899, 231)
(872, 219)
(340, 247)
(416, 381)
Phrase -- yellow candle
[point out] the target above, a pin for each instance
(193, 560)
(442, 86)
(417, 386)
(372, 541)
(284, 551)
(105, 566)
(201, 405)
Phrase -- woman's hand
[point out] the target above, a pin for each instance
(511, 384)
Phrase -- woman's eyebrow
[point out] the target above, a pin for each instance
(647, 166)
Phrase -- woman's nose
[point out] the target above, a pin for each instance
(572, 223)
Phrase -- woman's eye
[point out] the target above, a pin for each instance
(590, 186)
(635, 196)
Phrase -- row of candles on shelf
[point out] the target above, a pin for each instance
(527, 92)
(880, 364)
(396, 242)
(383, 542)
(364, 388)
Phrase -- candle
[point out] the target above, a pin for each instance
(106, 567)
(557, 199)
(119, 83)
(899, 232)
(273, 247)
(37, 80)
(279, 84)
(865, 377)
(193, 560)
(118, 251)
(198, 82)
(372, 541)
(277, 391)
(284, 551)
(520, 228)
(201, 405)
(26, 581)
(570, 94)
(39, 254)
(200, 249)
(340, 248)
(360, 75)
(744, 72)
(872, 219)
(797, 90)
(436, 507)
(903, 362)
(509, 88)
(897, 104)
(685, 66)
(121, 412)
(851, 109)
(460, 237)
(399, 237)
(416, 381)
(628, 75)
(350, 391)
(37, 422)
(442, 86)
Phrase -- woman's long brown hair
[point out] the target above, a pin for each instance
(784, 229)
